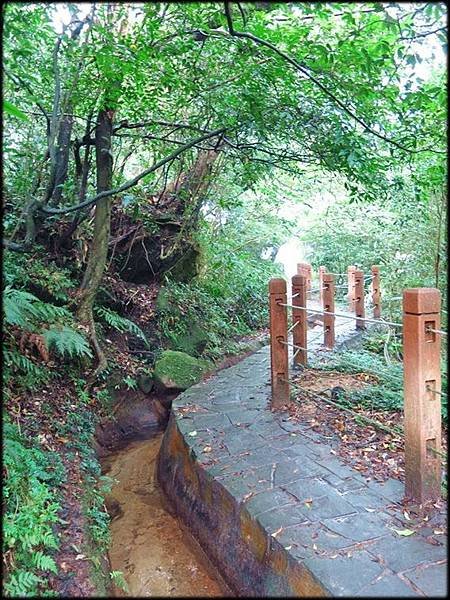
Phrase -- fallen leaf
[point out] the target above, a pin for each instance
(192, 433)
(275, 533)
(207, 449)
(404, 532)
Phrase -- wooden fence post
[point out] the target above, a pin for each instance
(328, 305)
(351, 287)
(359, 298)
(300, 331)
(278, 349)
(422, 386)
(305, 270)
(322, 270)
(376, 295)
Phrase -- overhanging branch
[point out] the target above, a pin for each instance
(48, 210)
(304, 70)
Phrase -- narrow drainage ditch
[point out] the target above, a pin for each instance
(156, 555)
(149, 545)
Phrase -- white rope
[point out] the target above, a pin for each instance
(293, 345)
(344, 316)
(293, 326)
(439, 331)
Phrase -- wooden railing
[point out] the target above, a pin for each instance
(421, 358)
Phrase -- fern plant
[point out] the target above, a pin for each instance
(119, 323)
(66, 341)
(30, 511)
(18, 307)
(26, 311)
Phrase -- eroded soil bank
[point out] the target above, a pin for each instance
(156, 556)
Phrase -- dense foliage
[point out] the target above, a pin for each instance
(153, 155)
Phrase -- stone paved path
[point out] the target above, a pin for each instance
(322, 511)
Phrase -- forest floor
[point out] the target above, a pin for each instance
(377, 453)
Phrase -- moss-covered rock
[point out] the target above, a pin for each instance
(178, 370)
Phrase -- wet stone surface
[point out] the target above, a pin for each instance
(287, 479)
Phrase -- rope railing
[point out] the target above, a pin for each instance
(438, 331)
(420, 333)
(342, 315)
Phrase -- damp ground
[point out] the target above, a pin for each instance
(149, 546)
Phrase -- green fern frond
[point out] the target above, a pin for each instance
(49, 313)
(18, 362)
(25, 310)
(18, 306)
(66, 341)
(119, 323)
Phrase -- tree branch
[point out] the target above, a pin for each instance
(304, 70)
(132, 182)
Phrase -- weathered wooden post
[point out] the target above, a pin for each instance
(359, 298)
(422, 386)
(322, 270)
(305, 270)
(299, 321)
(328, 306)
(376, 295)
(351, 287)
(278, 340)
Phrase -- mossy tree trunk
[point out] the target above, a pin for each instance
(102, 224)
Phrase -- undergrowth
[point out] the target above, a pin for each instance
(31, 507)
(385, 366)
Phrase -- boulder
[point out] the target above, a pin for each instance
(178, 370)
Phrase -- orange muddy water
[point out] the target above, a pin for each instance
(155, 554)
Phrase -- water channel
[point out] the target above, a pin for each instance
(156, 555)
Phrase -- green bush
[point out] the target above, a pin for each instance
(24, 270)
(387, 393)
(31, 508)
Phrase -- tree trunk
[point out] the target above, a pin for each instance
(102, 222)
(60, 167)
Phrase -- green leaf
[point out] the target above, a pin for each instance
(12, 110)
(404, 532)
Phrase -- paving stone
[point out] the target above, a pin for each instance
(242, 416)
(280, 442)
(266, 501)
(366, 500)
(309, 487)
(350, 484)
(291, 470)
(281, 517)
(390, 586)
(331, 478)
(214, 421)
(360, 527)
(326, 507)
(344, 576)
(238, 441)
(331, 463)
(432, 581)
(259, 457)
(264, 429)
(400, 554)
(241, 485)
(392, 489)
